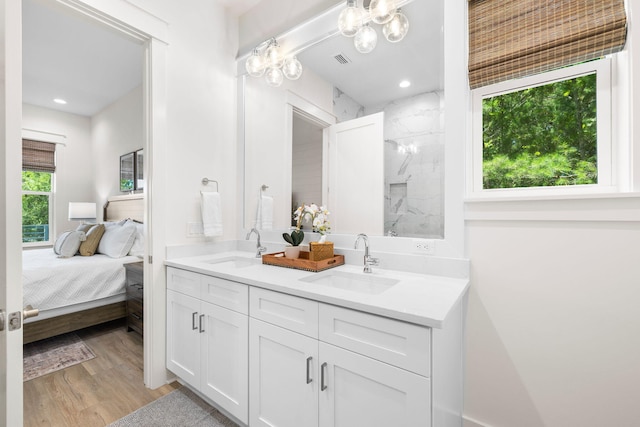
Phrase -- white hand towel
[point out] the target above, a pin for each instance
(211, 213)
(264, 219)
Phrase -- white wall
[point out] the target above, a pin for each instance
(552, 325)
(116, 130)
(74, 178)
(201, 111)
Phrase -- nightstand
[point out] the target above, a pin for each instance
(135, 288)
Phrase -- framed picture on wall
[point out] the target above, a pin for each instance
(127, 172)
(132, 171)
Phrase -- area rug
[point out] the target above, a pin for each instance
(179, 408)
(52, 354)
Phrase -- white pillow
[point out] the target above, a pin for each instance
(117, 240)
(137, 249)
(68, 243)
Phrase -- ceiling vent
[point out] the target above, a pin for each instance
(341, 58)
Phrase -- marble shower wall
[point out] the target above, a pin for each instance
(414, 161)
(414, 166)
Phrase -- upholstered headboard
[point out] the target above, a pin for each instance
(122, 207)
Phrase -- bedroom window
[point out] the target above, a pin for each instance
(38, 167)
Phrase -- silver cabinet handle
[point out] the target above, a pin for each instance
(309, 379)
(201, 323)
(323, 384)
(193, 320)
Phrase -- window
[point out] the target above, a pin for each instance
(38, 167)
(546, 131)
(36, 207)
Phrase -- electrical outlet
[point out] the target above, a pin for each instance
(424, 246)
(195, 229)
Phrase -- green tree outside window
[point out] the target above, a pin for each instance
(541, 136)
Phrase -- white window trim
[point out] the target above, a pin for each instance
(51, 222)
(608, 176)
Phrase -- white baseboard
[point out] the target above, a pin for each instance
(469, 422)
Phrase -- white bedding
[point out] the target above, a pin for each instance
(50, 282)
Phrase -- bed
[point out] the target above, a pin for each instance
(79, 291)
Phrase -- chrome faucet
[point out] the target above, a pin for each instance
(259, 247)
(368, 260)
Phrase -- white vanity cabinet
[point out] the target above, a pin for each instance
(314, 364)
(207, 333)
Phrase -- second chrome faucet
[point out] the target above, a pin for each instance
(368, 260)
(259, 247)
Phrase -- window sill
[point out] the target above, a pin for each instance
(616, 207)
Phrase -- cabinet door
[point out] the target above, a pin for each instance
(359, 391)
(283, 377)
(183, 337)
(224, 359)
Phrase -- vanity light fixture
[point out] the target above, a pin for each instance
(267, 59)
(255, 64)
(292, 68)
(350, 19)
(382, 11)
(366, 39)
(396, 28)
(355, 21)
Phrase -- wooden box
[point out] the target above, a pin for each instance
(320, 251)
(302, 263)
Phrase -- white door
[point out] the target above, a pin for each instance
(283, 377)
(10, 215)
(224, 359)
(356, 175)
(362, 392)
(183, 336)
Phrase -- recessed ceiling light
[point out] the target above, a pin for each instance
(405, 83)
(59, 101)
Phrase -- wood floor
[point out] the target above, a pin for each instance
(97, 392)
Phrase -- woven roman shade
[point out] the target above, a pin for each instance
(512, 39)
(38, 156)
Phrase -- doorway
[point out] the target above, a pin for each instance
(152, 33)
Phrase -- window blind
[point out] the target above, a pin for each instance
(512, 39)
(38, 156)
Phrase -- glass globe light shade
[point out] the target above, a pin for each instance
(255, 65)
(273, 56)
(366, 39)
(274, 76)
(381, 11)
(397, 28)
(292, 68)
(350, 20)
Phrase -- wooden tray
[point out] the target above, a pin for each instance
(302, 263)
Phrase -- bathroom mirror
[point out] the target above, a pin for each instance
(392, 187)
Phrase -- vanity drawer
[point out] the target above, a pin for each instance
(397, 343)
(293, 313)
(185, 282)
(225, 293)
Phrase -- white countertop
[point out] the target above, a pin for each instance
(417, 298)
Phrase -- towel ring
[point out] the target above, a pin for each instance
(264, 187)
(206, 181)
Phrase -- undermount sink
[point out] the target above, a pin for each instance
(361, 283)
(234, 262)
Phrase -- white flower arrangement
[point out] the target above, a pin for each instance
(319, 217)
